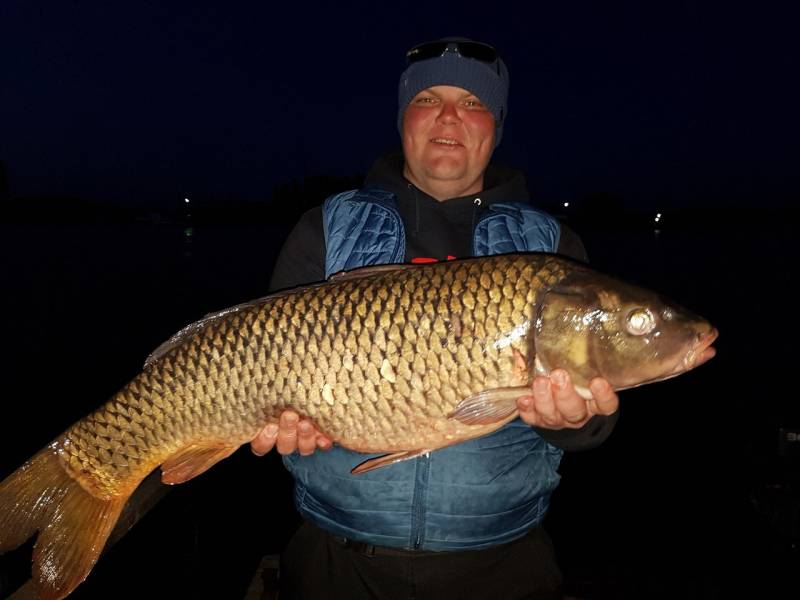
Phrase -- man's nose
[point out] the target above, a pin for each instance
(449, 113)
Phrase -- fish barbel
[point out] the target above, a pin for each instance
(395, 359)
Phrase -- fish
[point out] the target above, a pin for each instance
(393, 359)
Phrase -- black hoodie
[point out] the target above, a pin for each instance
(434, 231)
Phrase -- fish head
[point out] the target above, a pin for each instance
(593, 325)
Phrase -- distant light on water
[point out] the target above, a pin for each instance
(186, 200)
(566, 204)
(658, 217)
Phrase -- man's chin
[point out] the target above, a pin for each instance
(446, 168)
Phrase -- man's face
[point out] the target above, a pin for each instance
(448, 138)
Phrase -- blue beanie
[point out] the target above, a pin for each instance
(488, 81)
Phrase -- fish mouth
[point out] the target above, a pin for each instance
(700, 353)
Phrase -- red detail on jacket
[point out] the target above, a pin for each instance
(421, 260)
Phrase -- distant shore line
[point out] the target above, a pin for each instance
(66, 210)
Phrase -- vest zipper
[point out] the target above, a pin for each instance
(421, 477)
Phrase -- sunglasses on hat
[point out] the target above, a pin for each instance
(467, 49)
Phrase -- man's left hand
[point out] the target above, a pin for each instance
(554, 403)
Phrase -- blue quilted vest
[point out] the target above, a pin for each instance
(469, 496)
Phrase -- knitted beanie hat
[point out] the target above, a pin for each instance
(487, 80)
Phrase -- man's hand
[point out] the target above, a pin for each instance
(554, 403)
(290, 433)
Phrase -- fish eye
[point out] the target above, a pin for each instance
(640, 321)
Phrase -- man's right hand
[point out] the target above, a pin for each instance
(290, 433)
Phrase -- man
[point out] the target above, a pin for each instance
(464, 521)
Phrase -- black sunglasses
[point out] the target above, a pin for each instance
(476, 50)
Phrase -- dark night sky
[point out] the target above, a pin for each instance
(661, 103)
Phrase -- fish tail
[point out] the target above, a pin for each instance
(73, 524)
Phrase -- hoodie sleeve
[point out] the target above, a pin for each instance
(302, 257)
(571, 245)
(591, 435)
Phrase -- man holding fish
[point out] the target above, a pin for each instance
(426, 368)
(464, 521)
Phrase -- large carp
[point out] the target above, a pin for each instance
(394, 359)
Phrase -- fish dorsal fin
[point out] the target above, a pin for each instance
(211, 318)
(194, 459)
(362, 272)
(188, 331)
(386, 460)
(489, 406)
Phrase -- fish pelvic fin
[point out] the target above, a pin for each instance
(73, 524)
(489, 406)
(194, 459)
(387, 459)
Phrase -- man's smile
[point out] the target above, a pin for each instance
(445, 141)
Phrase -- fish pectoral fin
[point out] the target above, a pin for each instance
(386, 460)
(489, 406)
(191, 460)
